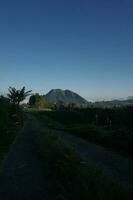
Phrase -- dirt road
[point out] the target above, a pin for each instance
(23, 177)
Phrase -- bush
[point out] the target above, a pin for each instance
(10, 120)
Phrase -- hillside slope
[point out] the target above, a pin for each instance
(66, 97)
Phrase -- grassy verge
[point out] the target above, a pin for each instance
(75, 178)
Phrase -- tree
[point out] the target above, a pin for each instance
(17, 96)
(38, 101)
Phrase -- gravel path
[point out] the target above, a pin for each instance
(23, 177)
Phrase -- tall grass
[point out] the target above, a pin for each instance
(116, 137)
(75, 179)
(10, 122)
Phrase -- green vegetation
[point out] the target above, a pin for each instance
(10, 122)
(37, 101)
(112, 128)
(11, 118)
(17, 96)
(75, 178)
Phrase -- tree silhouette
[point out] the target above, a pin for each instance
(17, 96)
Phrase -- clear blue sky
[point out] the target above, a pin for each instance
(82, 45)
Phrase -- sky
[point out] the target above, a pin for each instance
(82, 45)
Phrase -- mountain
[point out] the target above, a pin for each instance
(130, 97)
(66, 97)
(114, 103)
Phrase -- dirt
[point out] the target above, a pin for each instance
(23, 177)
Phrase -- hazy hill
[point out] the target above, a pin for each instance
(66, 97)
(114, 103)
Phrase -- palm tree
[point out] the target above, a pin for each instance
(17, 96)
(12, 95)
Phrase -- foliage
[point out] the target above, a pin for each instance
(75, 180)
(17, 96)
(116, 135)
(4, 113)
(38, 101)
(10, 122)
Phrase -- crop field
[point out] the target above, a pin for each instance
(111, 128)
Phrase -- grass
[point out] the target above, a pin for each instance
(74, 179)
(117, 137)
(10, 123)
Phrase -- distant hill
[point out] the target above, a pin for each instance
(66, 97)
(114, 103)
(130, 97)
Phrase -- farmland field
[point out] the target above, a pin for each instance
(111, 128)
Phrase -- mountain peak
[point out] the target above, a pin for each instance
(66, 97)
